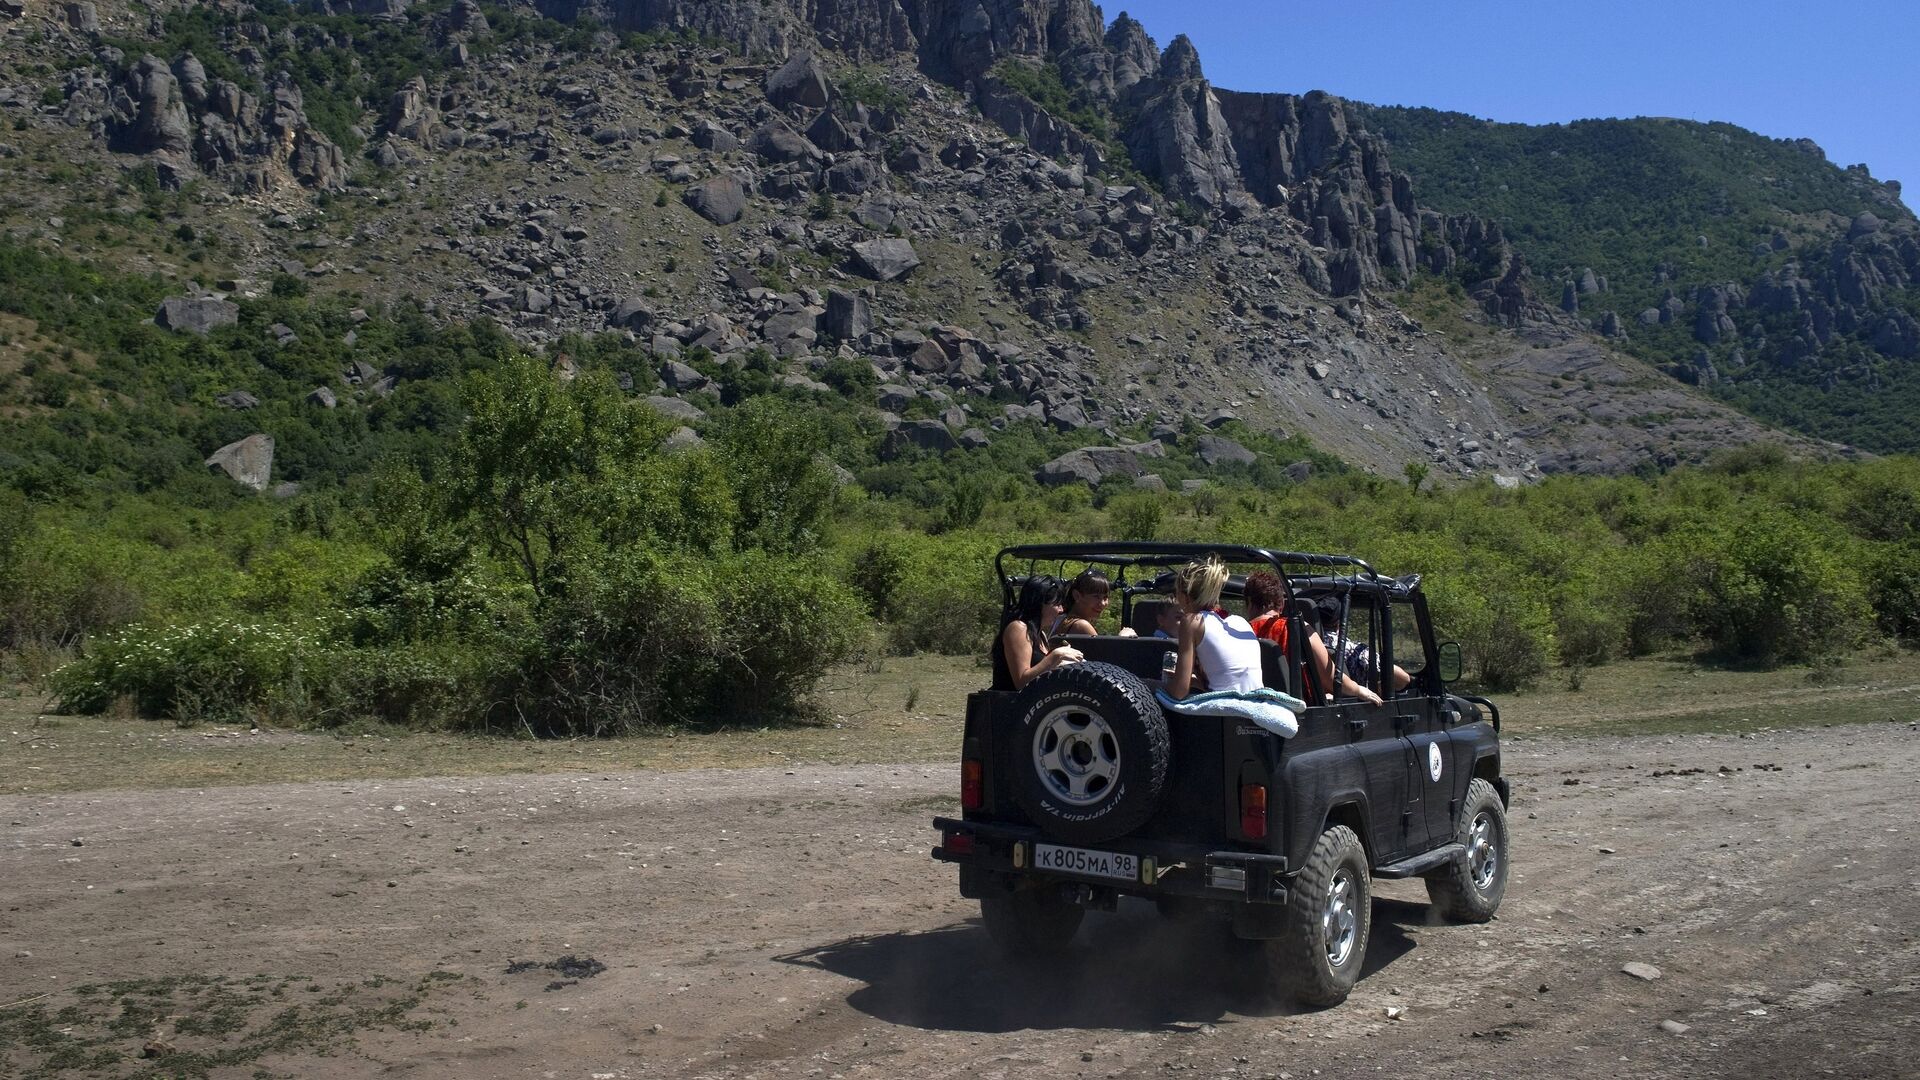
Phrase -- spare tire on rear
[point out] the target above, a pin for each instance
(1089, 755)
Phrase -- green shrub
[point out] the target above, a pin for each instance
(1505, 627)
(1136, 517)
(1894, 591)
(646, 641)
(221, 669)
(1780, 591)
(928, 594)
(443, 685)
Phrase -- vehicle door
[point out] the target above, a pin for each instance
(1394, 788)
(1418, 713)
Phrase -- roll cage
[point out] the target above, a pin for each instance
(1303, 574)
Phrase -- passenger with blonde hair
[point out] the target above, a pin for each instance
(1221, 646)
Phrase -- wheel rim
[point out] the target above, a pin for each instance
(1076, 754)
(1483, 858)
(1340, 922)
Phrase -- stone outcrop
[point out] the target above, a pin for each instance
(1181, 136)
(249, 462)
(150, 114)
(411, 114)
(184, 119)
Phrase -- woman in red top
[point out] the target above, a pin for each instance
(1267, 613)
(1266, 607)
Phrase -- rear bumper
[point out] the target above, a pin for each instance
(999, 856)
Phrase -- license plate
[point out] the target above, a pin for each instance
(1104, 864)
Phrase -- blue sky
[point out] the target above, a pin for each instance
(1840, 72)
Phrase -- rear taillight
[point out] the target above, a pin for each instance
(958, 843)
(972, 790)
(1253, 811)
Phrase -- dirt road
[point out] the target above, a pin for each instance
(767, 923)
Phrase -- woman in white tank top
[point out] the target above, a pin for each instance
(1222, 646)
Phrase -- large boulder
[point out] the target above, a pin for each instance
(854, 176)
(925, 434)
(800, 81)
(83, 17)
(1072, 467)
(411, 114)
(780, 144)
(249, 462)
(886, 259)
(1118, 461)
(847, 316)
(720, 200)
(709, 135)
(196, 314)
(682, 440)
(633, 313)
(467, 18)
(1217, 450)
(683, 378)
(674, 409)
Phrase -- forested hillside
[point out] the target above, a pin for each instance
(1752, 266)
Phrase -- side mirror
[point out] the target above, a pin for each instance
(1451, 662)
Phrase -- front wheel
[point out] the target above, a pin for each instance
(1031, 924)
(1469, 889)
(1329, 918)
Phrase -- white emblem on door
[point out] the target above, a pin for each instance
(1433, 761)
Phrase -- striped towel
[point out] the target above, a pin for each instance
(1272, 710)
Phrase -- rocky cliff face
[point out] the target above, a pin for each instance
(187, 124)
(692, 198)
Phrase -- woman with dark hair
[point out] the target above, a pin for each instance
(1023, 652)
(1086, 600)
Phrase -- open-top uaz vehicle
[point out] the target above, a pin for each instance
(1080, 789)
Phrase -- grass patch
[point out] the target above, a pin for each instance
(859, 719)
(197, 1025)
(1675, 696)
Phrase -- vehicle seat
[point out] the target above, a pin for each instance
(1146, 615)
(1273, 666)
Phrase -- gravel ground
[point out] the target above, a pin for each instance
(758, 923)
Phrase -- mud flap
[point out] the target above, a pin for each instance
(1261, 921)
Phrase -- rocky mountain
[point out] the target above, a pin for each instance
(1010, 210)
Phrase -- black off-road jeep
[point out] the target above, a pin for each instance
(1079, 789)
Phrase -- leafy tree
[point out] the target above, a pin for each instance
(544, 467)
(784, 490)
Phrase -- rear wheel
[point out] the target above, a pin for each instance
(1470, 888)
(1031, 924)
(1329, 918)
